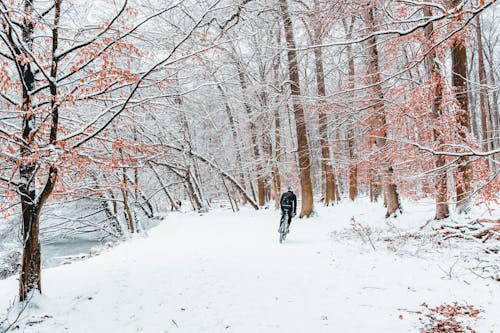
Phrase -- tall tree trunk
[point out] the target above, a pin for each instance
(145, 205)
(302, 145)
(486, 124)
(194, 179)
(31, 204)
(336, 156)
(236, 141)
(326, 167)
(111, 217)
(353, 168)
(277, 127)
(173, 204)
(380, 135)
(127, 212)
(268, 150)
(277, 157)
(192, 191)
(192, 176)
(265, 130)
(435, 78)
(30, 270)
(442, 209)
(472, 105)
(374, 185)
(459, 81)
(255, 146)
(494, 114)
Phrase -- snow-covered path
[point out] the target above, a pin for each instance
(225, 272)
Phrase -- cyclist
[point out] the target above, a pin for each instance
(288, 202)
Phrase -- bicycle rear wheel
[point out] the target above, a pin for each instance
(283, 226)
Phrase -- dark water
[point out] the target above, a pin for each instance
(54, 254)
(59, 253)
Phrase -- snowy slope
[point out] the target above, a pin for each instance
(225, 272)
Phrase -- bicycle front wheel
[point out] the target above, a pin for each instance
(283, 227)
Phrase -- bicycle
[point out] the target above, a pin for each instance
(283, 229)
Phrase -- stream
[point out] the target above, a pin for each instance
(63, 252)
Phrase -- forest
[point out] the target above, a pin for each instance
(119, 117)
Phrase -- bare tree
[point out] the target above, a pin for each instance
(303, 147)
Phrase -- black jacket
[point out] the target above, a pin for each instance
(291, 197)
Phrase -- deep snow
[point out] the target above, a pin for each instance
(226, 272)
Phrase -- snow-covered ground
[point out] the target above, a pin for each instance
(226, 272)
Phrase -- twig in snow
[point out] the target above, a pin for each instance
(426, 223)
(478, 275)
(450, 271)
(25, 305)
(363, 232)
(409, 311)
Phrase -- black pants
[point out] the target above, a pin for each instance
(289, 215)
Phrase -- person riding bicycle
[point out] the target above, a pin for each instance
(288, 202)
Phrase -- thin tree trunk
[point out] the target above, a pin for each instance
(494, 114)
(109, 206)
(112, 218)
(277, 157)
(164, 188)
(128, 213)
(252, 190)
(266, 129)
(233, 208)
(192, 171)
(472, 105)
(255, 146)
(145, 206)
(374, 184)
(353, 168)
(336, 156)
(435, 77)
(277, 128)
(198, 183)
(302, 145)
(113, 200)
(205, 204)
(486, 124)
(236, 141)
(326, 167)
(380, 136)
(269, 180)
(192, 190)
